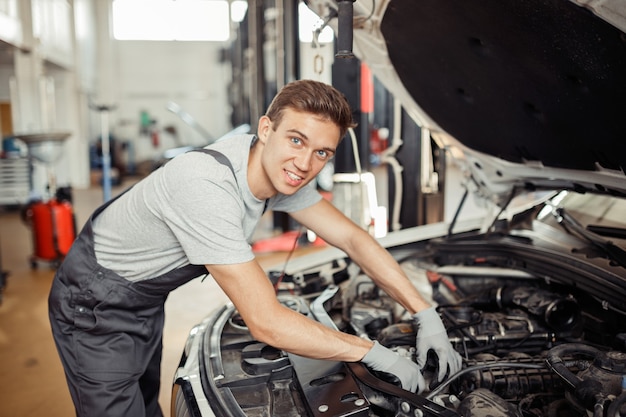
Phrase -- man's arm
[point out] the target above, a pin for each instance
(335, 228)
(270, 322)
(375, 261)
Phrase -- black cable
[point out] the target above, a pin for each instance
(293, 248)
(469, 369)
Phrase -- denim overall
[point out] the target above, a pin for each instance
(108, 331)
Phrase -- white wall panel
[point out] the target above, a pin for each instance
(151, 74)
(10, 24)
(53, 28)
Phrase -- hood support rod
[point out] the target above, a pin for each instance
(345, 28)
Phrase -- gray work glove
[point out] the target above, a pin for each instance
(379, 358)
(431, 334)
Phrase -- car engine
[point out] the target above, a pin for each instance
(529, 348)
(533, 344)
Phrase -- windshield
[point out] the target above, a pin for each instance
(601, 214)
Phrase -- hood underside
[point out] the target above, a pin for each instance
(538, 83)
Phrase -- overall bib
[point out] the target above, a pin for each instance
(108, 331)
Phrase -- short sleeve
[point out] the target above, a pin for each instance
(205, 212)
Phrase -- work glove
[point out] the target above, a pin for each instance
(431, 334)
(381, 359)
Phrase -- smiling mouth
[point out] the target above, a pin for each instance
(295, 179)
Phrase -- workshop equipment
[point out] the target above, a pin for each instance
(51, 220)
(54, 231)
(106, 148)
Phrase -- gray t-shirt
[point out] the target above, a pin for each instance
(190, 211)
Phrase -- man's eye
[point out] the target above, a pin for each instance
(322, 154)
(297, 141)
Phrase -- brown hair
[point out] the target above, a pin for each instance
(313, 97)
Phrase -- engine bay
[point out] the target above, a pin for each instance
(527, 350)
(531, 345)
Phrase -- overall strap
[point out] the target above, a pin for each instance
(219, 157)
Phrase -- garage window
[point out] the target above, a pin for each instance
(171, 20)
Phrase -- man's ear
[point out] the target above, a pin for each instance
(265, 125)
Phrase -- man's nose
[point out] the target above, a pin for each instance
(303, 161)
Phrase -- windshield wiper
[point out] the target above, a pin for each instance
(616, 232)
(612, 251)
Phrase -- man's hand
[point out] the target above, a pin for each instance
(431, 334)
(379, 358)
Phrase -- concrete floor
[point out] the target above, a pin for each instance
(32, 382)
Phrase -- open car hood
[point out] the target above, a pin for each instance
(527, 94)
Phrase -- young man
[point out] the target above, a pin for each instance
(198, 214)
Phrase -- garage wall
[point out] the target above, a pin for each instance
(149, 75)
(133, 77)
(136, 77)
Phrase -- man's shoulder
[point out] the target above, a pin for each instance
(233, 145)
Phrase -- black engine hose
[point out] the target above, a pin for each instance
(616, 405)
(439, 389)
(558, 366)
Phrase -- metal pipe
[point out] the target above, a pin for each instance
(345, 29)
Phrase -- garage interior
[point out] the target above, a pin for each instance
(33, 383)
(61, 72)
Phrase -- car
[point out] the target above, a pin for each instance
(529, 99)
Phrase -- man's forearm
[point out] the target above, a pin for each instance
(288, 330)
(377, 263)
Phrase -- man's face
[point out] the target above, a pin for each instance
(297, 149)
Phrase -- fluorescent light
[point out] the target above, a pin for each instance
(309, 22)
(238, 10)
